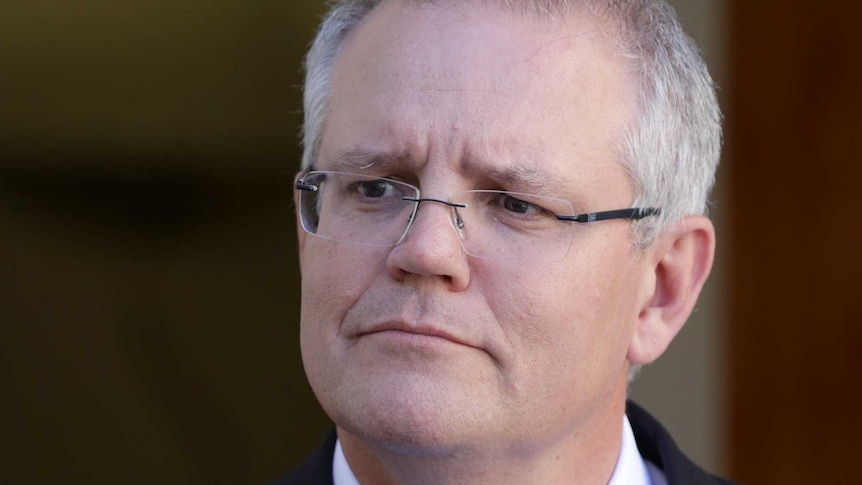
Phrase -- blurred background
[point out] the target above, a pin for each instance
(148, 275)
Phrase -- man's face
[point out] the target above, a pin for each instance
(452, 98)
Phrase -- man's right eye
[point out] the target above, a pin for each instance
(375, 188)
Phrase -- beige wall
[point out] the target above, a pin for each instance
(685, 388)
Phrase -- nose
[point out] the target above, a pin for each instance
(432, 250)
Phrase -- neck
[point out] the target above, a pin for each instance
(585, 455)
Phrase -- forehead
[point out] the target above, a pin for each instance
(467, 82)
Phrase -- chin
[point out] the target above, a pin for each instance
(413, 416)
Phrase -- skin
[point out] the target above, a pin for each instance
(524, 379)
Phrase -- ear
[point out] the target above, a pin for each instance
(680, 260)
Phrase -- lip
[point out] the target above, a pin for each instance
(421, 330)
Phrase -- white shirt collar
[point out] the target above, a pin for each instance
(631, 468)
(341, 472)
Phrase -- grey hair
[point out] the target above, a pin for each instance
(673, 151)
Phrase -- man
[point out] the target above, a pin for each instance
(501, 205)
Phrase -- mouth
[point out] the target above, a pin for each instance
(413, 333)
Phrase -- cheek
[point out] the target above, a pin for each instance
(565, 323)
(539, 314)
(335, 269)
(334, 276)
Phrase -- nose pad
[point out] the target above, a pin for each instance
(458, 221)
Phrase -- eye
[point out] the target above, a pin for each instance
(513, 211)
(517, 205)
(375, 188)
(523, 207)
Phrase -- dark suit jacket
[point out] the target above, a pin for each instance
(654, 444)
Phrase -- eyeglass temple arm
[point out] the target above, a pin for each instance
(303, 186)
(634, 213)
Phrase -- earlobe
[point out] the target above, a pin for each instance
(681, 259)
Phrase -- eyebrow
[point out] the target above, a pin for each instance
(521, 177)
(358, 160)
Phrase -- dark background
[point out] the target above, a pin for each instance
(148, 276)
